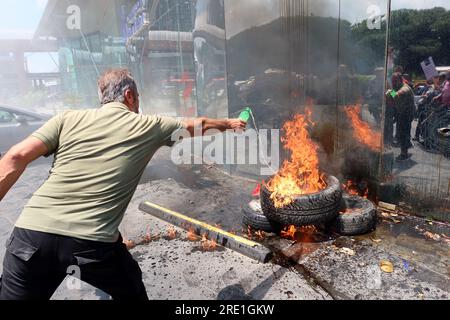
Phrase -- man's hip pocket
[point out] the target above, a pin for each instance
(20, 249)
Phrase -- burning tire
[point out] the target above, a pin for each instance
(256, 220)
(310, 209)
(360, 216)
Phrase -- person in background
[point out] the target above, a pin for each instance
(424, 105)
(403, 101)
(407, 80)
(444, 97)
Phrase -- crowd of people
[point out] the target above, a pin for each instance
(429, 104)
(435, 98)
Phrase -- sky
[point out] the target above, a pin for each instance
(20, 21)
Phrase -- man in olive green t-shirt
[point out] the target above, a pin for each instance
(73, 218)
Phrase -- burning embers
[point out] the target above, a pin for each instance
(254, 234)
(208, 245)
(361, 130)
(356, 189)
(304, 233)
(289, 232)
(171, 233)
(191, 235)
(300, 174)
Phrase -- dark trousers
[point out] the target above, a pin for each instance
(404, 134)
(36, 263)
(421, 116)
(389, 126)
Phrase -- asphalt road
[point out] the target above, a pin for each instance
(172, 269)
(340, 268)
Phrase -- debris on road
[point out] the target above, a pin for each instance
(386, 266)
(406, 265)
(432, 236)
(387, 206)
(347, 251)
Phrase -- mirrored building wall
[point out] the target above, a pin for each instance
(152, 38)
(284, 56)
(279, 57)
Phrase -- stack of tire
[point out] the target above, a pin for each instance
(342, 213)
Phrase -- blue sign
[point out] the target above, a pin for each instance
(134, 21)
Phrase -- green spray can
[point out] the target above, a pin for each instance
(393, 93)
(245, 114)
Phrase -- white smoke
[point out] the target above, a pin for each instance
(249, 13)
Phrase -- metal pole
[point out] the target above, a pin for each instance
(180, 51)
(381, 173)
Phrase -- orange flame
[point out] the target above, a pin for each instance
(303, 233)
(171, 233)
(249, 232)
(260, 234)
(300, 174)
(289, 232)
(208, 245)
(352, 188)
(130, 244)
(191, 235)
(361, 130)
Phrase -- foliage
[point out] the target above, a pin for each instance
(414, 35)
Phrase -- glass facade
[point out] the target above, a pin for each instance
(421, 183)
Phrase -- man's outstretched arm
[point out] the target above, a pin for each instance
(14, 162)
(219, 124)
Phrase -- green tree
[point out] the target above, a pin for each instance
(413, 34)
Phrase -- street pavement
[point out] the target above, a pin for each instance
(172, 269)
